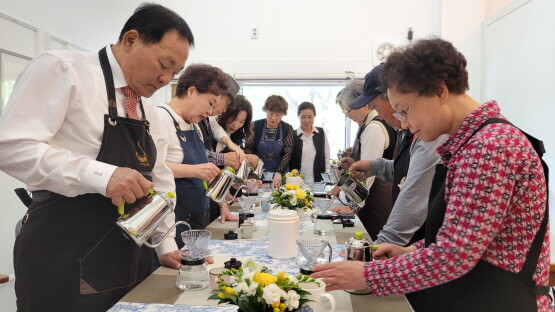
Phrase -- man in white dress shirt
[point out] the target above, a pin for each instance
(81, 133)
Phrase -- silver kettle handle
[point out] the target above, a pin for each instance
(236, 192)
(167, 233)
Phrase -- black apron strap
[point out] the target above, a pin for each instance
(109, 79)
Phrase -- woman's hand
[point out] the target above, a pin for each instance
(232, 160)
(206, 171)
(276, 182)
(225, 215)
(344, 209)
(252, 159)
(387, 251)
(341, 274)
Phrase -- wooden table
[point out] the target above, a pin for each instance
(159, 287)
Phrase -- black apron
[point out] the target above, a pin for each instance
(486, 287)
(192, 206)
(70, 255)
(319, 161)
(401, 163)
(355, 152)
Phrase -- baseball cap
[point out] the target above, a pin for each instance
(371, 88)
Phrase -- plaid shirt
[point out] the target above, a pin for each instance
(496, 194)
(215, 158)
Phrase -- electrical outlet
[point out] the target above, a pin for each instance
(254, 33)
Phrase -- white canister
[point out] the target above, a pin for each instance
(283, 232)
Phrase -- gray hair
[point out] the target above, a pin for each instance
(350, 92)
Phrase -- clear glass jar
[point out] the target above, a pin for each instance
(192, 275)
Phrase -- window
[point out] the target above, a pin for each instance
(321, 94)
(10, 67)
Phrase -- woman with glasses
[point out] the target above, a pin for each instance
(486, 244)
(199, 88)
(311, 150)
(273, 138)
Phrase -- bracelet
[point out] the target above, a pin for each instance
(355, 208)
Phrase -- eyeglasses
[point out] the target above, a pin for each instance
(402, 115)
(346, 112)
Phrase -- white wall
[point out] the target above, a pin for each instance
(324, 36)
(519, 47)
(297, 38)
(86, 23)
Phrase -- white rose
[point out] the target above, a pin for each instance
(251, 291)
(293, 200)
(272, 293)
(241, 287)
(292, 300)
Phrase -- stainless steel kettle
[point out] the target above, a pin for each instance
(337, 171)
(353, 189)
(219, 187)
(141, 221)
(221, 184)
(358, 249)
(242, 174)
(258, 171)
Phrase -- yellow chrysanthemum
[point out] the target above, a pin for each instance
(289, 186)
(296, 187)
(221, 295)
(230, 291)
(306, 203)
(295, 171)
(280, 277)
(264, 279)
(301, 194)
(288, 175)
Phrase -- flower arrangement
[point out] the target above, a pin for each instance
(253, 288)
(292, 196)
(294, 173)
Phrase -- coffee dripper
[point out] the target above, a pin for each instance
(193, 274)
(312, 253)
(246, 214)
(323, 219)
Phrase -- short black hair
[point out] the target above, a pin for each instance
(152, 21)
